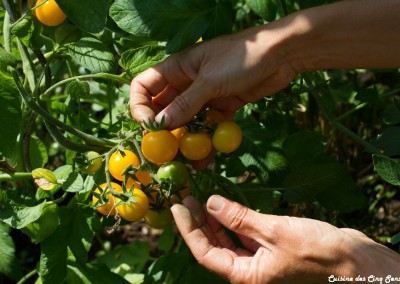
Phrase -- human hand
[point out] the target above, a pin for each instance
(276, 249)
(224, 73)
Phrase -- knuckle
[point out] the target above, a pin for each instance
(237, 217)
(181, 103)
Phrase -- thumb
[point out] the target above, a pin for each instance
(237, 217)
(184, 106)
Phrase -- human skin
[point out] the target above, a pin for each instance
(229, 71)
(277, 249)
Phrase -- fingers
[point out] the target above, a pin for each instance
(207, 239)
(244, 221)
(185, 106)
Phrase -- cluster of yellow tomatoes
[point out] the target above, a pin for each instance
(149, 195)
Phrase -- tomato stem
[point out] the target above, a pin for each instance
(118, 78)
(15, 176)
(27, 276)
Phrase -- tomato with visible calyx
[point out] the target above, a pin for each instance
(92, 162)
(174, 172)
(227, 137)
(119, 162)
(158, 218)
(159, 146)
(49, 13)
(107, 209)
(195, 145)
(134, 211)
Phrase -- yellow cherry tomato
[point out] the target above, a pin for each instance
(49, 14)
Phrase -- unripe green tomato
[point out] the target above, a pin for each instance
(174, 172)
(93, 162)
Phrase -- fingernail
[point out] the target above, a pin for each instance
(215, 202)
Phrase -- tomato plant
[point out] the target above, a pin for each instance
(325, 147)
(159, 146)
(49, 13)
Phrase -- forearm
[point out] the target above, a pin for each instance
(346, 34)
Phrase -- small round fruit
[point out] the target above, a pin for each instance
(174, 172)
(134, 211)
(159, 146)
(178, 132)
(118, 162)
(49, 14)
(227, 137)
(213, 116)
(195, 146)
(143, 177)
(94, 162)
(107, 209)
(158, 219)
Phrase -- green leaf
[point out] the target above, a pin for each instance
(139, 59)
(54, 251)
(395, 239)
(259, 198)
(93, 55)
(78, 89)
(387, 168)
(266, 9)
(388, 141)
(8, 262)
(312, 148)
(84, 223)
(84, 14)
(37, 153)
(329, 183)
(76, 231)
(137, 254)
(166, 239)
(180, 23)
(92, 274)
(74, 183)
(10, 115)
(20, 216)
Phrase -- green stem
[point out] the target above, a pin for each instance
(117, 78)
(89, 139)
(335, 122)
(27, 276)
(7, 33)
(15, 176)
(60, 138)
(27, 65)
